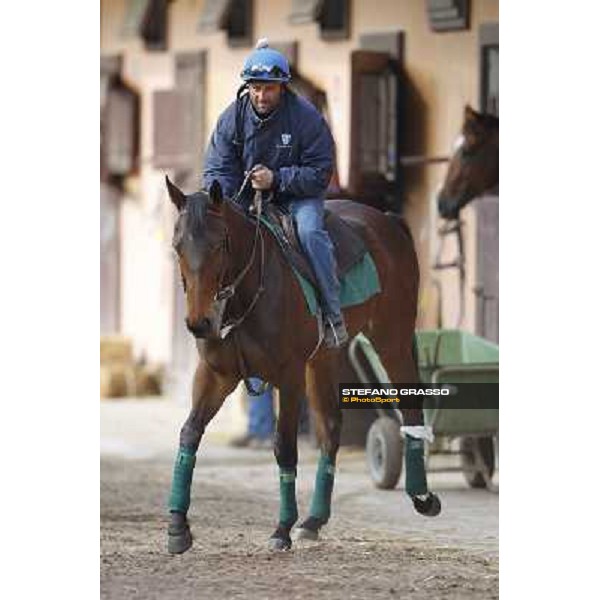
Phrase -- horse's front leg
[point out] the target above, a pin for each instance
(209, 391)
(323, 397)
(286, 454)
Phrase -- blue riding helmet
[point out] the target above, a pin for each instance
(266, 64)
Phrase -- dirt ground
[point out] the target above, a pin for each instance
(375, 545)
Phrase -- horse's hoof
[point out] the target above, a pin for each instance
(280, 544)
(301, 533)
(309, 529)
(180, 541)
(430, 507)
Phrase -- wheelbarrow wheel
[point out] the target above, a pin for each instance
(385, 453)
(474, 470)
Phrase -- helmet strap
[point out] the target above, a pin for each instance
(241, 90)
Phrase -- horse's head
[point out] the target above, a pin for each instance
(201, 242)
(473, 168)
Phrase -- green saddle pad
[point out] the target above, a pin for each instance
(356, 286)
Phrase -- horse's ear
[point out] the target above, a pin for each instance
(470, 114)
(178, 198)
(215, 193)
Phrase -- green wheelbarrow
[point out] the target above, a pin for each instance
(444, 356)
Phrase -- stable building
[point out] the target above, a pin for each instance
(392, 78)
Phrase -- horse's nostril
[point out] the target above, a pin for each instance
(446, 208)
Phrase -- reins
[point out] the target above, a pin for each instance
(225, 293)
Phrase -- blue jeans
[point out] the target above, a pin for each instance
(261, 414)
(308, 217)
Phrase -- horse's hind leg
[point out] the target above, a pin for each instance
(400, 362)
(286, 453)
(209, 392)
(322, 391)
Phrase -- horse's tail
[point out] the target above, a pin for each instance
(401, 221)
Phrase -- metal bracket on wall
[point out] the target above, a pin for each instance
(479, 292)
(448, 228)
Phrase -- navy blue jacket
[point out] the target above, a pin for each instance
(294, 142)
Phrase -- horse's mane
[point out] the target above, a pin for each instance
(492, 121)
(196, 207)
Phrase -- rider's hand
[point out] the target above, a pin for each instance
(262, 178)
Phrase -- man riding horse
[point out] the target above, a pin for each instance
(286, 149)
(282, 143)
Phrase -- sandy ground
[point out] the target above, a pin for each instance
(375, 546)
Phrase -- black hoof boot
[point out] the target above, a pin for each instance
(180, 536)
(430, 507)
(281, 539)
(309, 529)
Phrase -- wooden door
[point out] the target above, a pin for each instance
(487, 288)
(110, 288)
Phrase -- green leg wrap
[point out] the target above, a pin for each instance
(288, 509)
(416, 477)
(321, 501)
(179, 500)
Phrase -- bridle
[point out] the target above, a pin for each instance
(225, 292)
(479, 154)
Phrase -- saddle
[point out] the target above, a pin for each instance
(349, 248)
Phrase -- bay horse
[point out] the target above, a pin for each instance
(225, 254)
(474, 166)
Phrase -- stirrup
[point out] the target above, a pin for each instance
(336, 334)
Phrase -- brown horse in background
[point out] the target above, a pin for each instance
(222, 252)
(473, 171)
(474, 166)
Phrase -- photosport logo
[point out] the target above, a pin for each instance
(427, 395)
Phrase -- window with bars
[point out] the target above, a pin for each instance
(490, 68)
(374, 161)
(235, 17)
(448, 15)
(334, 20)
(239, 24)
(119, 123)
(333, 16)
(147, 19)
(377, 151)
